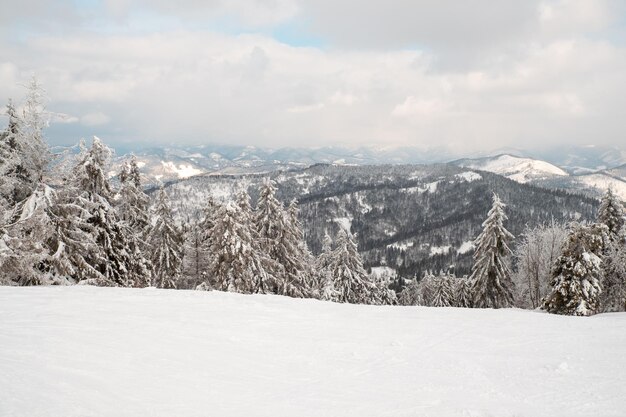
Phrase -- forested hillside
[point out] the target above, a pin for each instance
(412, 218)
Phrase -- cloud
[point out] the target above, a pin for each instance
(471, 75)
(95, 119)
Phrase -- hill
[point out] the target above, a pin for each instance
(412, 218)
(87, 351)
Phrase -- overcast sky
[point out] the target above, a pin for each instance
(471, 75)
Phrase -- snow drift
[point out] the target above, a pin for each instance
(87, 351)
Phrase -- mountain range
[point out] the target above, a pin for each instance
(586, 169)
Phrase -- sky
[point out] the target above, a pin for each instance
(468, 75)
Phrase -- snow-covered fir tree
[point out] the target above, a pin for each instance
(323, 274)
(463, 293)
(491, 276)
(613, 297)
(237, 263)
(443, 294)
(120, 263)
(34, 149)
(166, 244)
(197, 251)
(611, 214)
(410, 294)
(24, 154)
(131, 201)
(279, 237)
(22, 249)
(351, 281)
(15, 183)
(577, 273)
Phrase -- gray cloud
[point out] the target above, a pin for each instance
(516, 73)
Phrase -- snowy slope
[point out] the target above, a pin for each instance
(513, 167)
(85, 351)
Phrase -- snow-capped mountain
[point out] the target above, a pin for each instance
(518, 169)
(545, 174)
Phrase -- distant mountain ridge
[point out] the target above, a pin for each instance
(162, 165)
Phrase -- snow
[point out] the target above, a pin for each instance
(379, 271)
(344, 222)
(469, 176)
(465, 247)
(518, 169)
(182, 170)
(87, 351)
(401, 245)
(439, 250)
(602, 182)
(431, 187)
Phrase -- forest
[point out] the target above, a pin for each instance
(310, 233)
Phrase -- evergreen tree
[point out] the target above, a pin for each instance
(119, 262)
(14, 183)
(463, 293)
(197, 251)
(491, 276)
(444, 294)
(380, 293)
(34, 150)
(410, 294)
(24, 154)
(166, 244)
(350, 279)
(614, 277)
(576, 275)
(281, 240)
(324, 278)
(132, 202)
(23, 251)
(237, 264)
(611, 214)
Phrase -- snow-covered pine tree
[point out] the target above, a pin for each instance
(24, 154)
(323, 274)
(15, 184)
(611, 214)
(491, 276)
(426, 289)
(166, 244)
(23, 251)
(279, 239)
(197, 245)
(301, 261)
(34, 149)
(443, 295)
(119, 263)
(72, 243)
(237, 264)
(350, 278)
(576, 275)
(132, 202)
(614, 278)
(463, 293)
(410, 294)
(381, 294)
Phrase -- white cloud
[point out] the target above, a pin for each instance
(515, 73)
(95, 119)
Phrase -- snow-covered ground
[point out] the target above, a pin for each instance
(518, 169)
(85, 351)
